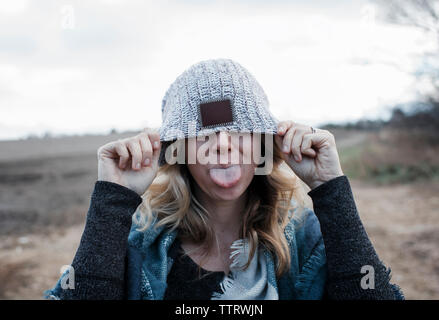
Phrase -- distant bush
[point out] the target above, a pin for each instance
(423, 116)
(393, 155)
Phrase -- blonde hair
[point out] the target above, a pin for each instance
(170, 199)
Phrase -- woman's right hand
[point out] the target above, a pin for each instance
(131, 162)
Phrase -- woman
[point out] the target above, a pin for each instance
(194, 211)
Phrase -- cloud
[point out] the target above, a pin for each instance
(110, 62)
(13, 7)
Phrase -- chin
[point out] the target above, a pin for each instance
(231, 193)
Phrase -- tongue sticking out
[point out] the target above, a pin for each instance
(226, 177)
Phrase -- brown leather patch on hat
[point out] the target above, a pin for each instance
(216, 113)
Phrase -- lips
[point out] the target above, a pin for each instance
(225, 176)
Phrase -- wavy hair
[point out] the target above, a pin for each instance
(170, 201)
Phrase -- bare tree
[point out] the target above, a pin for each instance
(421, 14)
(424, 15)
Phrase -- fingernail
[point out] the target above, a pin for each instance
(297, 158)
(146, 162)
(281, 129)
(156, 144)
(285, 148)
(138, 165)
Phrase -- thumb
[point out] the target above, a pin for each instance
(278, 140)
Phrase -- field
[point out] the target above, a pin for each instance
(45, 187)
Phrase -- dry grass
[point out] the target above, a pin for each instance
(391, 156)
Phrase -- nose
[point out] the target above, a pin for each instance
(223, 147)
(223, 141)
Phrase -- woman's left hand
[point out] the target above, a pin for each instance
(316, 153)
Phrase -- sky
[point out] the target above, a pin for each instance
(75, 67)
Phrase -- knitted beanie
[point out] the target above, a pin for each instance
(211, 96)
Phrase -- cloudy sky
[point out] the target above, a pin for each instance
(72, 67)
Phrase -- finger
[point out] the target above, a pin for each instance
(306, 147)
(133, 146)
(296, 143)
(123, 154)
(156, 150)
(288, 138)
(147, 150)
(154, 137)
(320, 139)
(283, 126)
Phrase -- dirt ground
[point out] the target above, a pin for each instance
(44, 196)
(403, 224)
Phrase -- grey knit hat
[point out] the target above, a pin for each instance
(211, 96)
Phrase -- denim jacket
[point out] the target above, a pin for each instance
(146, 278)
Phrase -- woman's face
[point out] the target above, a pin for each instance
(223, 165)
